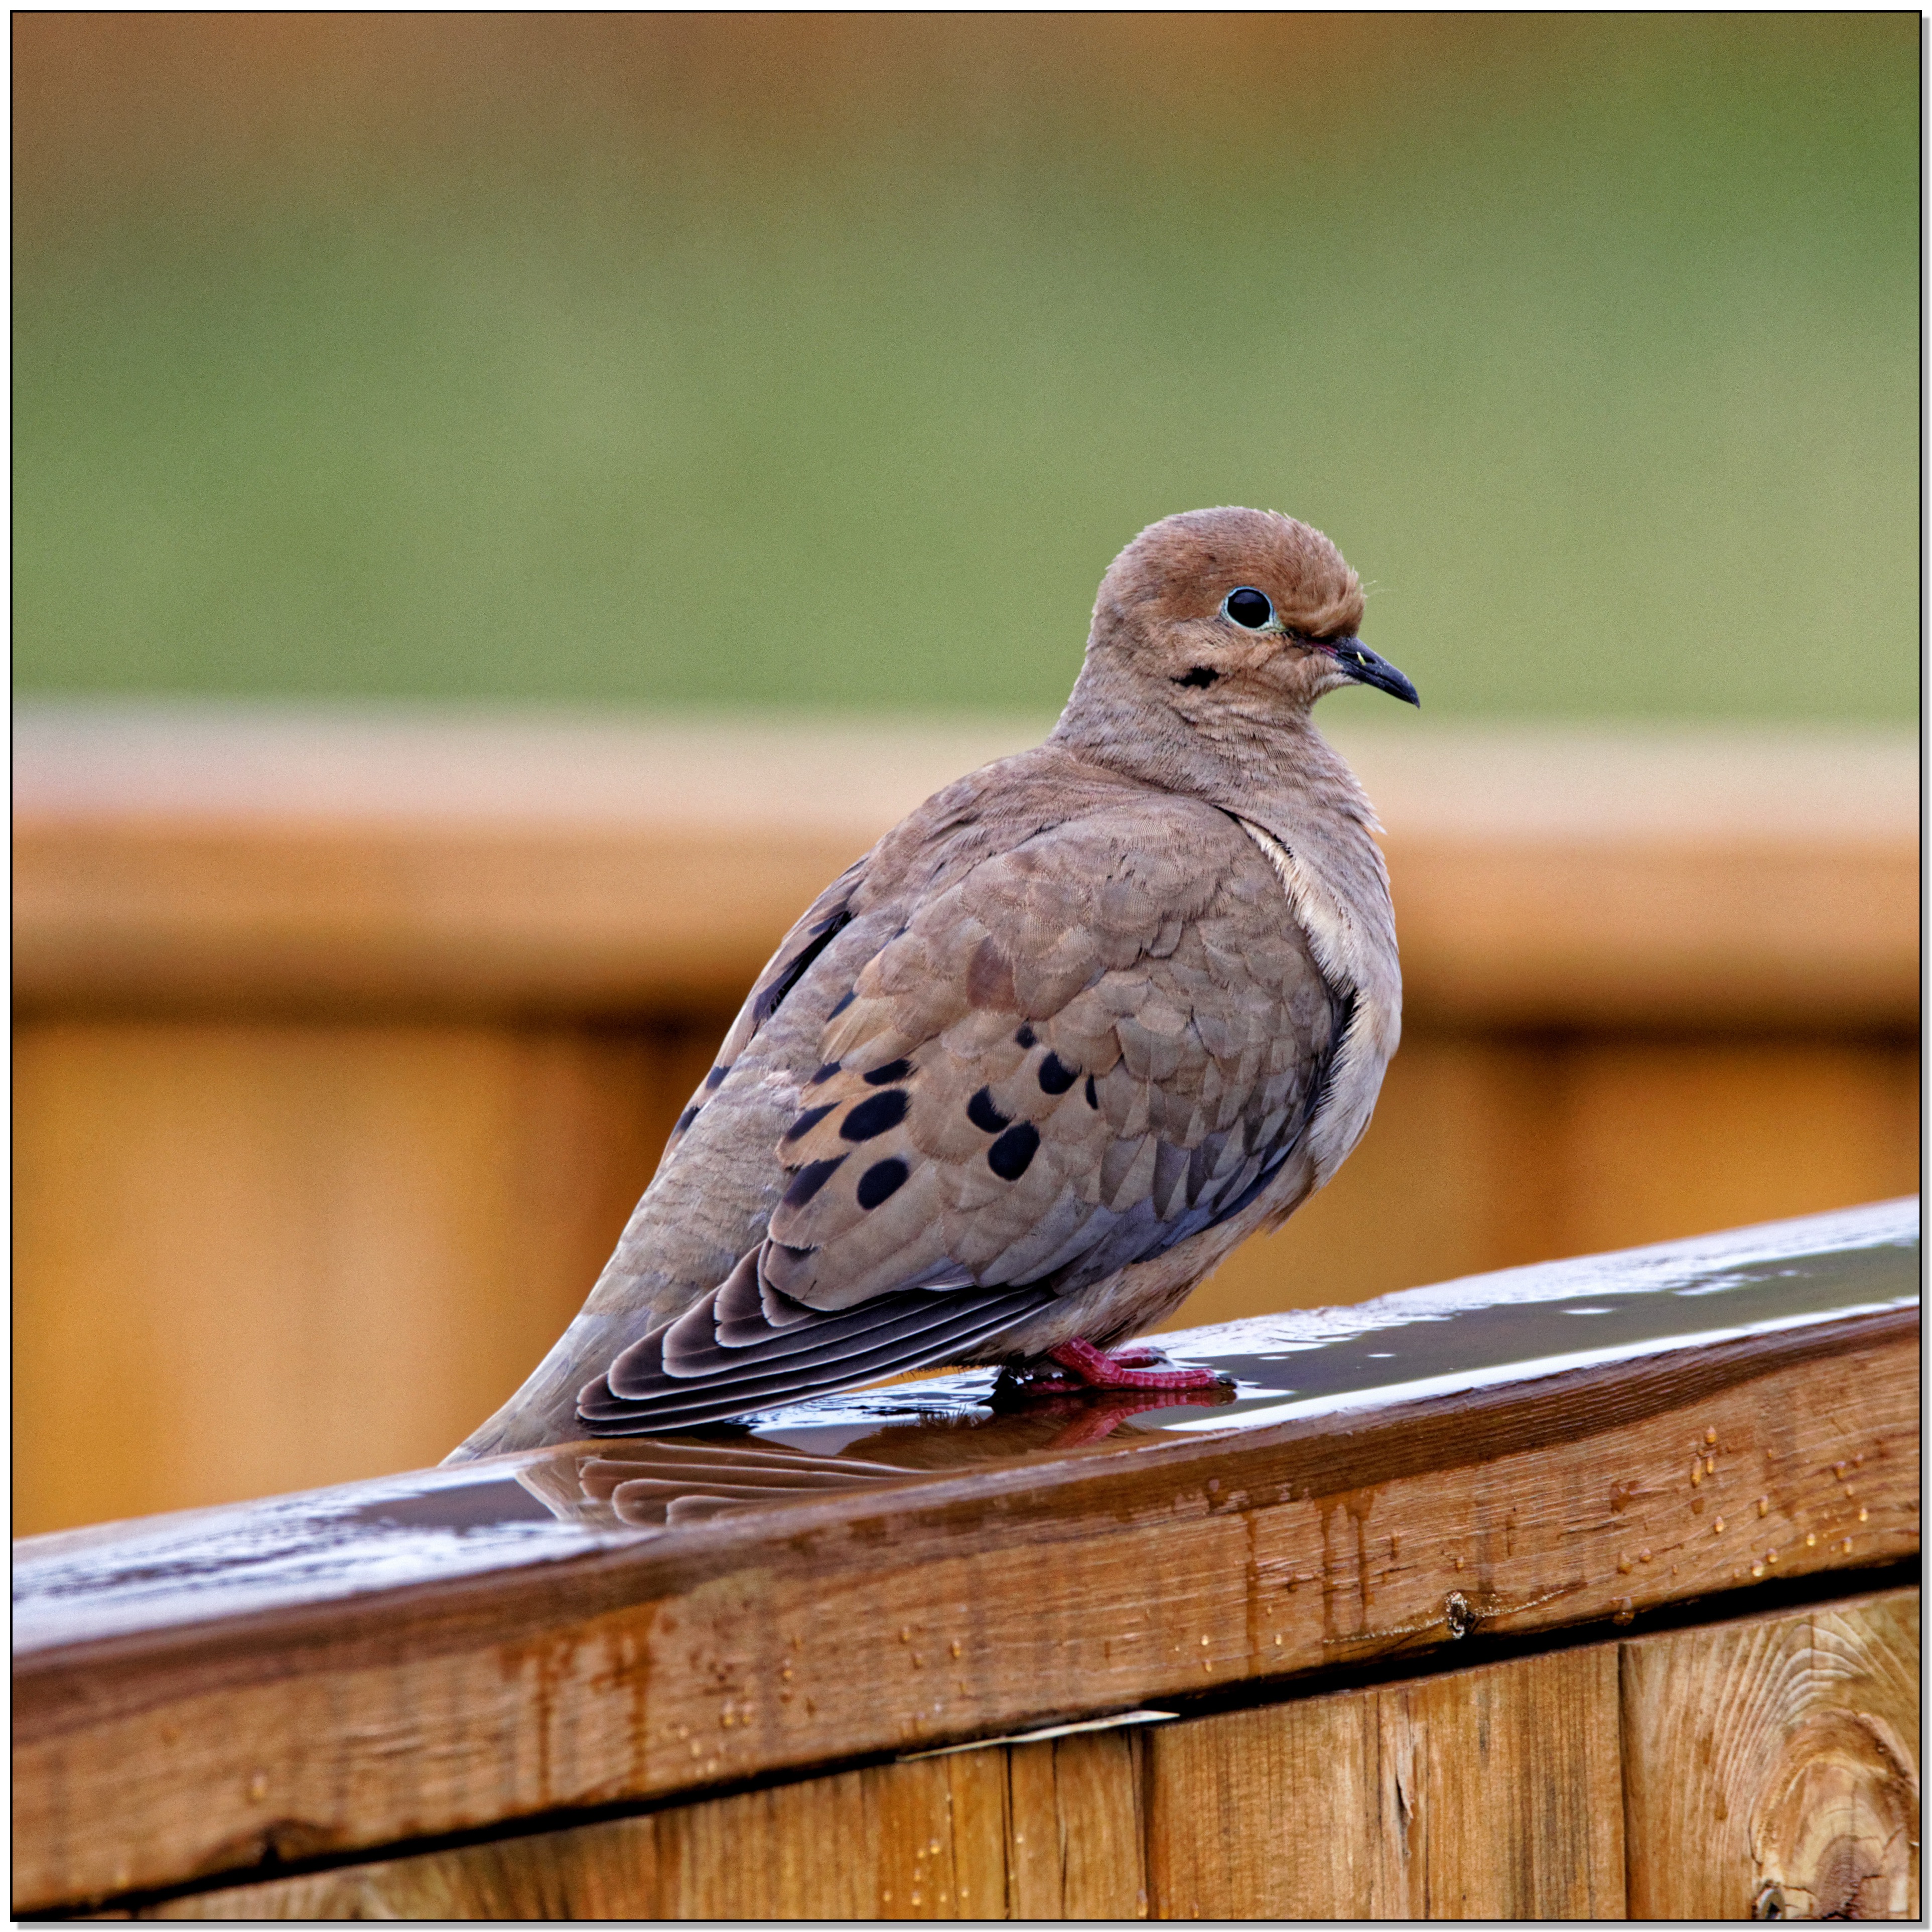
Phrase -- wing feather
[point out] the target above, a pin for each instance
(1086, 1047)
(891, 1335)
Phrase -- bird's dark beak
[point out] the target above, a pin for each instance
(1357, 661)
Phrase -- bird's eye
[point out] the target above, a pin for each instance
(1249, 608)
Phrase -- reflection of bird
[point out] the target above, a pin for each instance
(1021, 1077)
(669, 1482)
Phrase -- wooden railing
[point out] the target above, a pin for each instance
(344, 1044)
(1576, 1590)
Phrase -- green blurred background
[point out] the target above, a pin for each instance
(826, 360)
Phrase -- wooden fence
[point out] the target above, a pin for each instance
(1582, 1591)
(344, 1043)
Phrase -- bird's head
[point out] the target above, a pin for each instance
(1220, 613)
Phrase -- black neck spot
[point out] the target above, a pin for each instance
(1198, 679)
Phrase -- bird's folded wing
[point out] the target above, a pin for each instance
(798, 951)
(1087, 1047)
(1093, 1045)
(686, 1372)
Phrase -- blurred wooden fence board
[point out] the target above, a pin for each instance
(971, 1604)
(183, 855)
(1496, 1792)
(411, 1211)
(337, 1032)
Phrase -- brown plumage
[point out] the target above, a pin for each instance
(1021, 1077)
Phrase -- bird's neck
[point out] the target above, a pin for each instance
(1270, 766)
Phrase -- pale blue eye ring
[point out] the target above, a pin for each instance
(1248, 607)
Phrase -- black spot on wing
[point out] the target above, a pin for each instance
(775, 994)
(806, 1121)
(1026, 1037)
(823, 1074)
(984, 1115)
(1093, 1097)
(1012, 1154)
(690, 1113)
(882, 1181)
(843, 1004)
(1055, 1075)
(712, 1078)
(874, 1117)
(885, 1075)
(810, 1178)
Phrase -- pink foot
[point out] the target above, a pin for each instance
(1139, 1367)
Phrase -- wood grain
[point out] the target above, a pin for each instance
(1500, 1792)
(598, 1871)
(1772, 1767)
(937, 1839)
(1076, 1843)
(1492, 1793)
(971, 1606)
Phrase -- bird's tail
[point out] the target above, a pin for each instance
(544, 1410)
(748, 1346)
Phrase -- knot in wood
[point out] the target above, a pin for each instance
(1832, 1832)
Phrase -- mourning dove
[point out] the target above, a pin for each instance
(1026, 1072)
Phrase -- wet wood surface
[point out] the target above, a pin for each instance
(611, 1646)
(1496, 1792)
